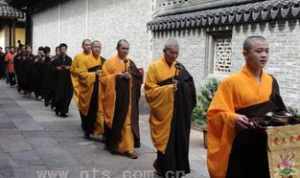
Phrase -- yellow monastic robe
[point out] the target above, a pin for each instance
(110, 70)
(161, 101)
(86, 81)
(238, 91)
(75, 74)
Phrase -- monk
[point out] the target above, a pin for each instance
(47, 82)
(236, 149)
(2, 63)
(120, 86)
(28, 72)
(64, 88)
(170, 92)
(86, 46)
(18, 64)
(89, 71)
(9, 58)
(37, 73)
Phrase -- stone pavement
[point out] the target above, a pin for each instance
(34, 143)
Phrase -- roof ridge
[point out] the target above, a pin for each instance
(245, 13)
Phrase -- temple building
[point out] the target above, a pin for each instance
(210, 32)
(12, 23)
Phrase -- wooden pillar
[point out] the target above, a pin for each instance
(28, 28)
(13, 33)
(7, 35)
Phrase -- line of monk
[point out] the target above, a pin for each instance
(48, 78)
(107, 93)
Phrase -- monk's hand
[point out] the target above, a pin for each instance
(58, 67)
(126, 75)
(243, 122)
(98, 72)
(175, 83)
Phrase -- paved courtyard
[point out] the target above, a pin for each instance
(34, 143)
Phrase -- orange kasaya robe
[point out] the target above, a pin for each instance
(75, 74)
(161, 101)
(110, 70)
(238, 91)
(86, 80)
(9, 58)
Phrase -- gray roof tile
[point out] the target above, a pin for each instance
(253, 12)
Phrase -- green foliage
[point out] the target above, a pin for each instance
(294, 111)
(203, 101)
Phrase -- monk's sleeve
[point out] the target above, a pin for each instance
(108, 94)
(74, 67)
(221, 130)
(85, 77)
(161, 102)
(74, 77)
(221, 109)
(154, 92)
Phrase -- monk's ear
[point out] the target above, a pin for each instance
(245, 52)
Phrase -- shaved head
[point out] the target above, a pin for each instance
(96, 42)
(171, 43)
(248, 43)
(86, 41)
(171, 51)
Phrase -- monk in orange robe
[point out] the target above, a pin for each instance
(89, 70)
(171, 95)
(236, 149)
(9, 59)
(120, 85)
(86, 47)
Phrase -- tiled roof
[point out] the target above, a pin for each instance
(252, 12)
(7, 11)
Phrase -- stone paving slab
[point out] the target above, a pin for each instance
(34, 142)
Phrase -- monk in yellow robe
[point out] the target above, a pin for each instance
(236, 148)
(89, 71)
(120, 85)
(171, 95)
(86, 47)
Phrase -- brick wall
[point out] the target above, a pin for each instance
(284, 54)
(109, 21)
(192, 50)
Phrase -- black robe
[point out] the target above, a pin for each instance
(63, 83)
(48, 84)
(18, 67)
(175, 161)
(2, 65)
(114, 135)
(88, 121)
(249, 158)
(28, 73)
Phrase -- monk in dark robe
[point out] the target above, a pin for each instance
(28, 62)
(2, 64)
(236, 147)
(53, 80)
(37, 73)
(64, 88)
(47, 82)
(18, 65)
(120, 85)
(170, 92)
(89, 75)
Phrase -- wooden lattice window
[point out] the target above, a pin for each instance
(222, 54)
